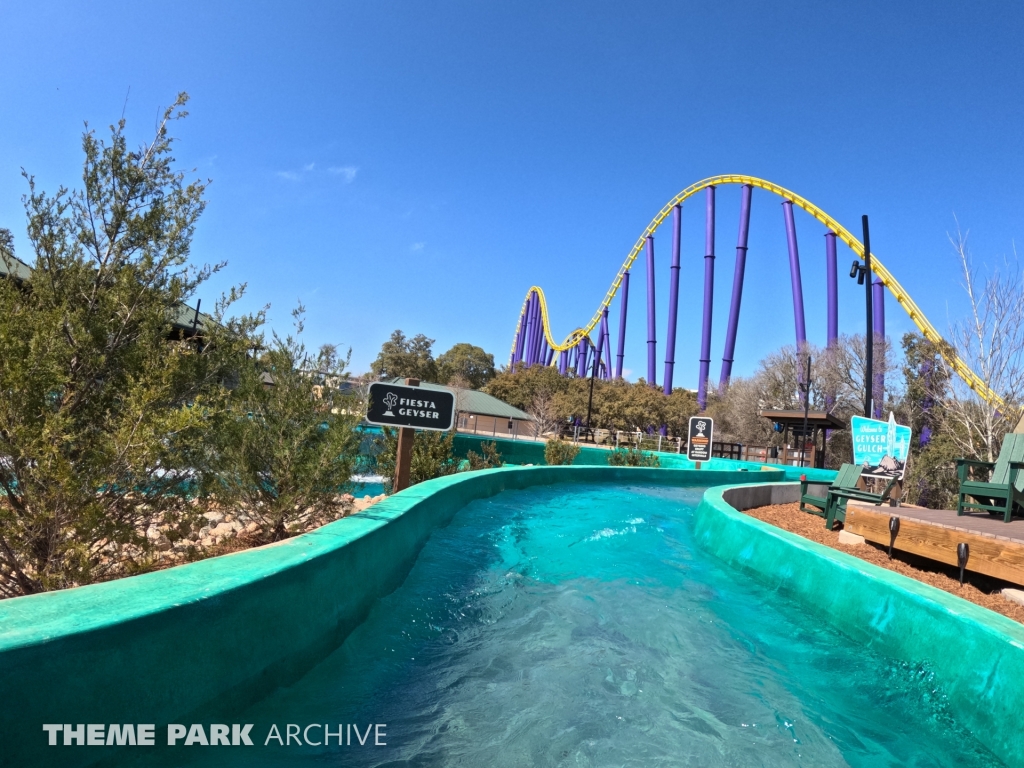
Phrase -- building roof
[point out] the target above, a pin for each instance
(475, 402)
(184, 319)
(796, 419)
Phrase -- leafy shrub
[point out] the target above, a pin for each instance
(488, 460)
(432, 456)
(558, 452)
(632, 457)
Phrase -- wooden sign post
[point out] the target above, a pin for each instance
(409, 408)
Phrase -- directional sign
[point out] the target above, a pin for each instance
(701, 434)
(397, 405)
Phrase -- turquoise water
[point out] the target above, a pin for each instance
(581, 626)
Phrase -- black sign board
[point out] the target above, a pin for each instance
(701, 434)
(396, 405)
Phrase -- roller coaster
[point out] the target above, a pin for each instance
(534, 343)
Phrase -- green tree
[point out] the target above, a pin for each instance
(104, 413)
(466, 364)
(289, 442)
(400, 357)
(522, 387)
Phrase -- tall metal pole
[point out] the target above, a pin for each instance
(590, 399)
(832, 281)
(878, 301)
(807, 406)
(606, 349)
(528, 338)
(737, 286)
(869, 330)
(622, 325)
(709, 299)
(794, 276)
(673, 300)
(652, 343)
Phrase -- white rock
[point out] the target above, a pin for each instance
(224, 529)
(845, 537)
(1014, 595)
(213, 517)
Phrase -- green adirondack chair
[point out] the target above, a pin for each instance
(1005, 488)
(847, 477)
(835, 508)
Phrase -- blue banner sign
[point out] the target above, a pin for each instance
(881, 447)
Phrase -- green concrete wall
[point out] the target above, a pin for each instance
(531, 452)
(196, 642)
(977, 656)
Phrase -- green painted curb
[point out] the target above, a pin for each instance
(195, 642)
(976, 655)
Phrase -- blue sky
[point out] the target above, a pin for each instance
(420, 165)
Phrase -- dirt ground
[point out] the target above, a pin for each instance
(979, 589)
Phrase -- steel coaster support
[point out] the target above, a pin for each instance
(517, 348)
(605, 345)
(794, 276)
(878, 322)
(563, 361)
(581, 362)
(531, 321)
(737, 286)
(652, 342)
(550, 357)
(709, 299)
(622, 325)
(833, 288)
(673, 300)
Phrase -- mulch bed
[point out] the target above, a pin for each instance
(979, 589)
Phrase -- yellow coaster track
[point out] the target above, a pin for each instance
(898, 291)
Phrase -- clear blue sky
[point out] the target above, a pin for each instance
(420, 165)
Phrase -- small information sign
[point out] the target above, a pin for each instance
(398, 405)
(701, 435)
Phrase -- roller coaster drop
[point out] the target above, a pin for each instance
(535, 344)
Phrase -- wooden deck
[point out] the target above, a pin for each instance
(996, 548)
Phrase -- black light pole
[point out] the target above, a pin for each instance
(869, 336)
(590, 400)
(805, 387)
(863, 274)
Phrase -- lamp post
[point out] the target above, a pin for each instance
(590, 400)
(805, 387)
(863, 274)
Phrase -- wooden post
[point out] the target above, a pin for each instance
(406, 437)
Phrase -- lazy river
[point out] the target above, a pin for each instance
(581, 625)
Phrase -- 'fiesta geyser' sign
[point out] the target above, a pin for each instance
(396, 405)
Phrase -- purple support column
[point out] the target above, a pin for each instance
(563, 361)
(673, 300)
(581, 362)
(709, 300)
(606, 349)
(737, 287)
(528, 339)
(517, 348)
(794, 276)
(878, 312)
(551, 356)
(622, 324)
(833, 288)
(652, 342)
(538, 331)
